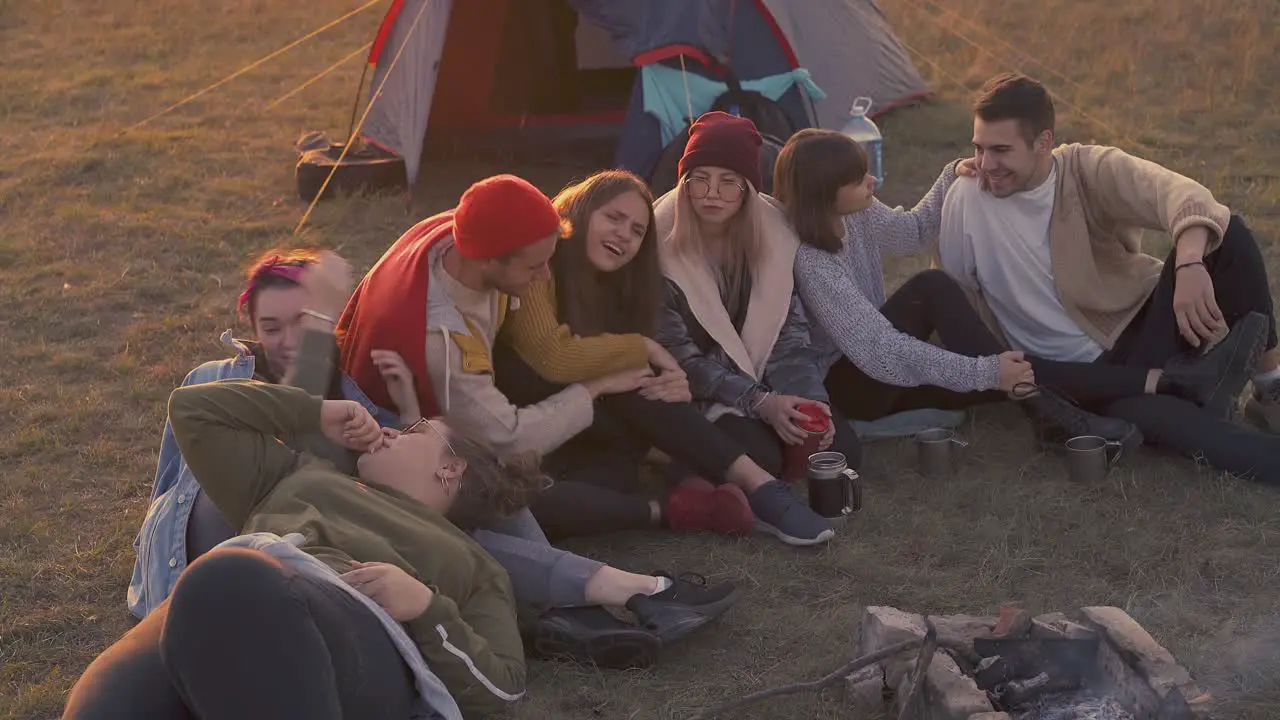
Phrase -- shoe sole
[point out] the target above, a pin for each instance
(824, 536)
(615, 650)
(1244, 358)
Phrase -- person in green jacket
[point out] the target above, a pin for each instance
(244, 636)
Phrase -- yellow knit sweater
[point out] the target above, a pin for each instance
(555, 353)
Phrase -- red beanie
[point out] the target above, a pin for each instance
(718, 139)
(500, 215)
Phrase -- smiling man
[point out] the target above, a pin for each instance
(1049, 239)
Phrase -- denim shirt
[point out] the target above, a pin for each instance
(161, 544)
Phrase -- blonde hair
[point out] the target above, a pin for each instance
(743, 247)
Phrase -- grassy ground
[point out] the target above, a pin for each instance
(118, 267)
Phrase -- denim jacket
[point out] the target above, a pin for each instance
(161, 544)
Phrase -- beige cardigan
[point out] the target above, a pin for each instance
(1104, 199)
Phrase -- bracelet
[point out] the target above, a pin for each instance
(755, 406)
(1192, 263)
(319, 316)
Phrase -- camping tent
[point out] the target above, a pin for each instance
(631, 73)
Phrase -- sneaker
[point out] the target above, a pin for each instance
(1215, 379)
(1057, 419)
(687, 605)
(592, 636)
(696, 504)
(779, 512)
(1262, 408)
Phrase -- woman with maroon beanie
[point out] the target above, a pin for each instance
(733, 322)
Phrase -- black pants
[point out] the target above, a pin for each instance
(1240, 286)
(244, 638)
(598, 485)
(933, 302)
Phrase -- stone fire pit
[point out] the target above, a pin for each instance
(1096, 663)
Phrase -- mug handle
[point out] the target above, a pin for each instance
(1113, 460)
(963, 445)
(851, 491)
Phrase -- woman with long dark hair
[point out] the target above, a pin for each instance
(599, 314)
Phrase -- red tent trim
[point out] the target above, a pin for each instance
(384, 31)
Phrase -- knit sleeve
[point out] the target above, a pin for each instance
(833, 301)
(555, 353)
(1133, 191)
(898, 231)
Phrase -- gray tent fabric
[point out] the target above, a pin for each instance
(399, 114)
(847, 46)
(851, 51)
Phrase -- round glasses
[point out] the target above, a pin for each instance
(727, 190)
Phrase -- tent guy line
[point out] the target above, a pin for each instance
(248, 68)
(318, 76)
(355, 132)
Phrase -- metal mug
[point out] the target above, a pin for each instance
(834, 488)
(936, 448)
(1090, 457)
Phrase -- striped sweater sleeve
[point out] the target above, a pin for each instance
(834, 301)
(558, 355)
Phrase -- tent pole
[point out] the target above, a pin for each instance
(355, 107)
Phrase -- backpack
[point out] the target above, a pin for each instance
(769, 117)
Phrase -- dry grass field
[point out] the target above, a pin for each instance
(119, 261)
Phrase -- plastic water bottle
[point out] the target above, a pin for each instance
(860, 128)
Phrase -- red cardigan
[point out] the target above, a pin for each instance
(388, 311)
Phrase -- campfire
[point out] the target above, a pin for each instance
(1096, 663)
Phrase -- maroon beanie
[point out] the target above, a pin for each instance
(718, 139)
(500, 215)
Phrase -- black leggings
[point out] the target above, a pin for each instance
(598, 485)
(932, 302)
(245, 638)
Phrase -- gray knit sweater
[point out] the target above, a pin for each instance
(843, 292)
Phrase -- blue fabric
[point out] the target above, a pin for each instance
(665, 99)
(907, 424)
(435, 702)
(161, 544)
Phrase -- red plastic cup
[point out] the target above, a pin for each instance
(795, 464)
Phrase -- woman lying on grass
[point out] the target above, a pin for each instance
(597, 315)
(287, 298)
(373, 575)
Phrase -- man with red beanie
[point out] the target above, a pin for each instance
(438, 297)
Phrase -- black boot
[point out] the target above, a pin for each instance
(1057, 419)
(592, 636)
(682, 608)
(1214, 380)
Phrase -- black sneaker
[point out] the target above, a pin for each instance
(1215, 379)
(1057, 419)
(682, 608)
(779, 512)
(592, 636)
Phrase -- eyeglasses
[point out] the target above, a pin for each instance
(727, 190)
(412, 428)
